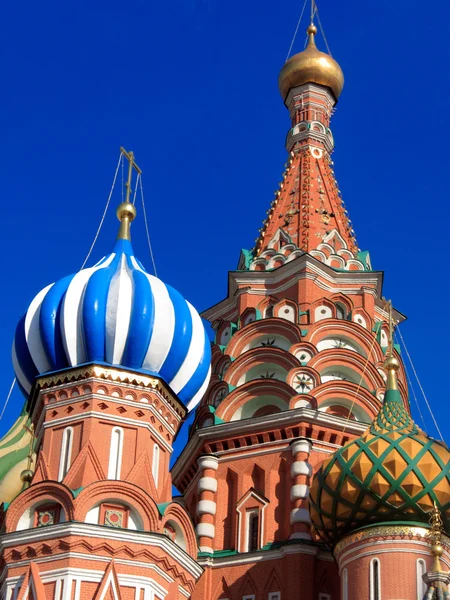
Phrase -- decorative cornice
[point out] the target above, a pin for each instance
(246, 426)
(260, 556)
(384, 531)
(86, 530)
(114, 374)
(294, 268)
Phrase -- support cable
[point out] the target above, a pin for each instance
(136, 188)
(316, 11)
(104, 213)
(414, 393)
(296, 30)
(420, 385)
(144, 212)
(7, 398)
(350, 412)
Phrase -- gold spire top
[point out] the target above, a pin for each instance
(391, 364)
(435, 537)
(311, 31)
(126, 212)
(311, 66)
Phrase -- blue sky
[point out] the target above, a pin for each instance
(191, 87)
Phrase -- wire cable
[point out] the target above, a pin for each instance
(321, 28)
(7, 398)
(136, 188)
(296, 30)
(411, 387)
(144, 212)
(420, 385)
(104, 213)
(350, 412)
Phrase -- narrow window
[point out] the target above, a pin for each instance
(252, 531)
(375, 587)
(340, 311)
(345, 584)
(274, 596)
(269, 312)
(66, 453)
(155, 464)
(115, 453)
(421, 585)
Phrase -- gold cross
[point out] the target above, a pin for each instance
(131, 164)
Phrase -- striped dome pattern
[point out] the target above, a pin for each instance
(115, 313)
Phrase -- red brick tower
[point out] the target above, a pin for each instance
(297, 370)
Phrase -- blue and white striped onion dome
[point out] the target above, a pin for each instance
(115, 313)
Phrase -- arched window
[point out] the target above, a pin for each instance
(66, 453)
(252, 530)
(269, 311)
(375, 580)
(341, 313)
(115, 453)
(421, 569)
(155, 464)
(345, 584)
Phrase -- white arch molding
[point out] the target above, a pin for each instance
(66, 453)
(155, 464)
(115, 453)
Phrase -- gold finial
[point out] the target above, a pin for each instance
(311, 31)
(126, 212)
(391, 364)
(435, 537)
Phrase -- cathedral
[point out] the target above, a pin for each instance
(304, 476)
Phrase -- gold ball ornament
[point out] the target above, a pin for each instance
(437, 550)
(126, 210)
(391, 363)
(26, 476)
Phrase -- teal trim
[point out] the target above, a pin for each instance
(77, 491)
(162, 508)
(304, 332)
(246, 257)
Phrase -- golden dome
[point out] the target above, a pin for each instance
(311, 66)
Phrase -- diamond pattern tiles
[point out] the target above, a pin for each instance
(393, 472)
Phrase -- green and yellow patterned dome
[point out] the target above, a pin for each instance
(394, 472)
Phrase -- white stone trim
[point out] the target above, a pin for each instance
(301, 490)
(86, 530)
(300, 515)
(301, 467)
(207, 484)
(301, 446)
(208, 462)
(255, 557)
(206, 549)
(206, 507)
(115, 453)
(65, 458)
(205, 530)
